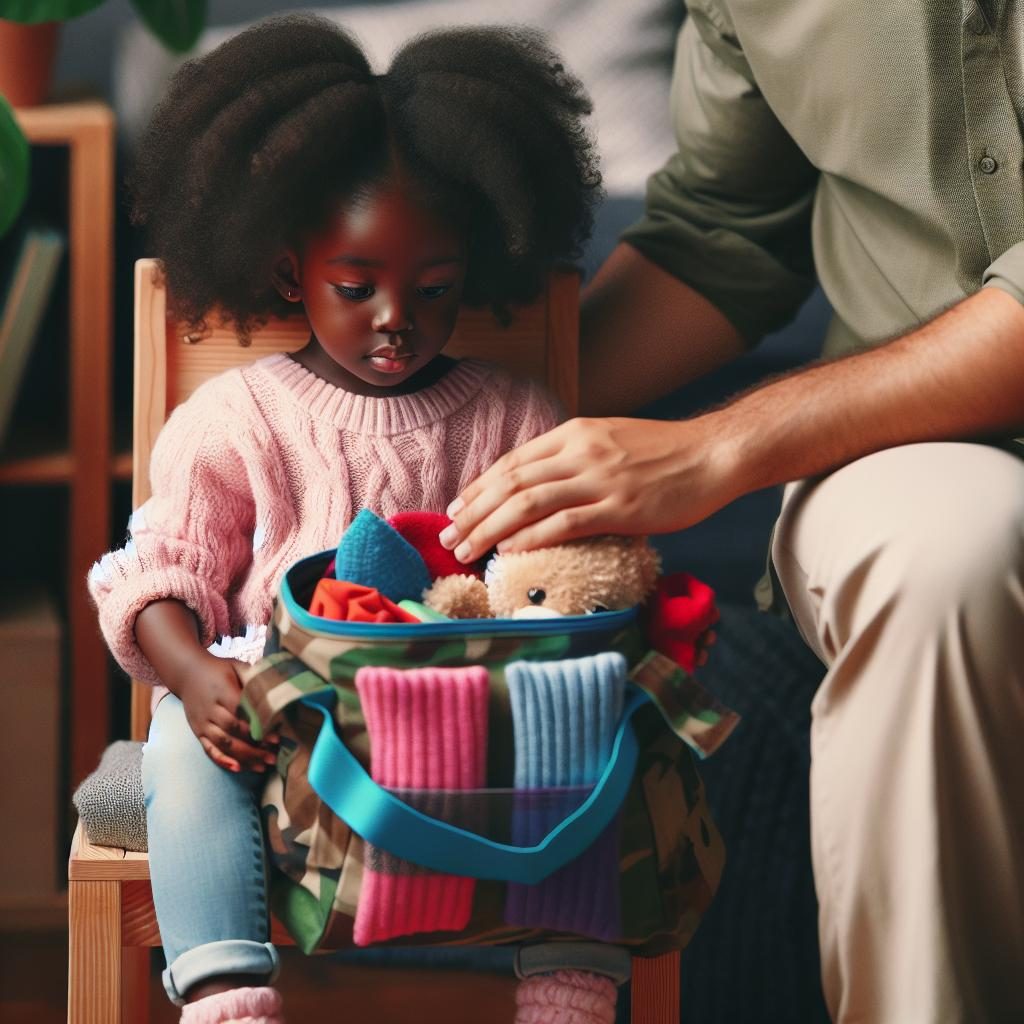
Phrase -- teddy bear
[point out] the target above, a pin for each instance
(400, 560)
(585, 577)
(581, 577)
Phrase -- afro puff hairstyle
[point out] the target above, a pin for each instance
(255, 143)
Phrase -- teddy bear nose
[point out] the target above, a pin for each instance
(536, 595)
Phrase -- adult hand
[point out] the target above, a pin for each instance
(211, 696)
(591, 476)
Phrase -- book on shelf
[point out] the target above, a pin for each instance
(34, 258)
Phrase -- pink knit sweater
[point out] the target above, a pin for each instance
(268, 463)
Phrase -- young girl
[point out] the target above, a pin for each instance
(279, 171)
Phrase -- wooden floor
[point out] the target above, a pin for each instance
(33, 989)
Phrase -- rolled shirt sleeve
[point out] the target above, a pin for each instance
(1007, 272)
(730, 213)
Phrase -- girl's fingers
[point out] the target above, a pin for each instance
(231, 723)
(217, 757)
(253, 758)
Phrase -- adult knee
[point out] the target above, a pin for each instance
(963, 565)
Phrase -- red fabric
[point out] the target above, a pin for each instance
(351, 602)
(420, 529)
(679, 612)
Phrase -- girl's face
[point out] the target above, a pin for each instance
(381, 286)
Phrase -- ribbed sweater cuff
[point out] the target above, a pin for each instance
(120, 606)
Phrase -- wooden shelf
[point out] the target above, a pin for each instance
(121, 466)
(82, 458)
(48, 468)
(34, 913)
(56, 467)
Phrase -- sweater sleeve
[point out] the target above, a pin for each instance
(190, 541)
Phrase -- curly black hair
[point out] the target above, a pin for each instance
(254, 142)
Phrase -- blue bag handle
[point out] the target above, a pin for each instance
(382, 819)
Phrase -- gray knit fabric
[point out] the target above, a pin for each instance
(110, 802)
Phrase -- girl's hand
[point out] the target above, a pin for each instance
(592, 476)
(211, 694)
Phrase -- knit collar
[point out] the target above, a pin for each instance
(360, 414)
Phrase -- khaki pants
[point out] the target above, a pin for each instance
(905, 573)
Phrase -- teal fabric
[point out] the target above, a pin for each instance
(384, 820)
(374, 554)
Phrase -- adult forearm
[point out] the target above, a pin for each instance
(961, 376)
(644, 333)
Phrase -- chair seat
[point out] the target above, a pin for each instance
(90, 862)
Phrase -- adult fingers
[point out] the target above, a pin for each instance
(565, 524)
(519, 484)
(535, 450)
(524, 508)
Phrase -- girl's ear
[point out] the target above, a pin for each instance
(285, 277)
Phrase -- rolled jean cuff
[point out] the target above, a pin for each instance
(226, 956)
(613, 962)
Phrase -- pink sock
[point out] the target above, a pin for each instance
(245, 1005)
(428, 730)
(566, 997)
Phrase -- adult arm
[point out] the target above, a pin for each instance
(643, 333)
(960, 376)
(723, 252)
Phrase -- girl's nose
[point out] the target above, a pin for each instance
(393, 319)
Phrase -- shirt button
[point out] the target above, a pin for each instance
(987, 165)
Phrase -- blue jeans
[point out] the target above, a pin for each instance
(206, 858)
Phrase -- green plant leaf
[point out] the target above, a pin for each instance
(14, 158)
(176, 23)
(31, 12)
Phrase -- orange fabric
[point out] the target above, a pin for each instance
(352, 602)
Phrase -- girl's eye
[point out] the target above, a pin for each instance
(434, 291)
(355, 292)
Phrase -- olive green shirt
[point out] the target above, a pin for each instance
(877, 145)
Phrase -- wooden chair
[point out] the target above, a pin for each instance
(112, 924)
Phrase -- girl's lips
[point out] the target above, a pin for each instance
(387, 361)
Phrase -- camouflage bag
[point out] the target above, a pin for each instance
(631, 856)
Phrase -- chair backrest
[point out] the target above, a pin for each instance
(170, 363)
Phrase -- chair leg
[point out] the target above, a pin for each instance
(135, 974)
(94, 952)
(654, 990)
